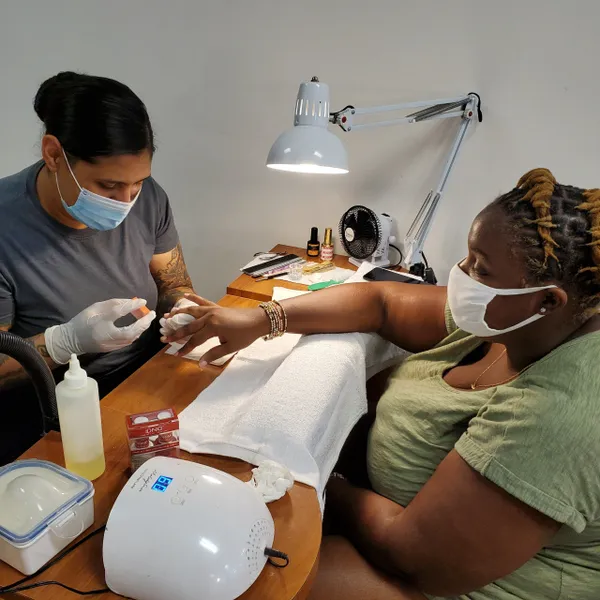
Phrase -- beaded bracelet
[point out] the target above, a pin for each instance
(284, 315)
(272, 313)
(277, 317)
(277, 322)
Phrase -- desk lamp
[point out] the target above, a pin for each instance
(309, 147)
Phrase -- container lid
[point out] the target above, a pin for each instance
(33, 494)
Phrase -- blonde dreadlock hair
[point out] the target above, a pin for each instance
(539, 186)
(592, 206)
(557, 228)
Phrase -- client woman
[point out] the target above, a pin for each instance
(484, 454)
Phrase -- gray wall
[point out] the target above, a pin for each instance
(220, 80)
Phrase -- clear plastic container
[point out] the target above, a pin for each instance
(295, 272)
(43, 508)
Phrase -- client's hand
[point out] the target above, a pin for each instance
(236, 328)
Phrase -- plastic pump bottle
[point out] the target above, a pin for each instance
(78, 404)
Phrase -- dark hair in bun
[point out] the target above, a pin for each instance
(93, 116)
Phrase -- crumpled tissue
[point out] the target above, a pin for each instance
(271, 480)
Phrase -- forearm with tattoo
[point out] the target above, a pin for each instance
(173, 281)
(11, 371)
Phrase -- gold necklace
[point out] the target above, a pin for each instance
(474, 385)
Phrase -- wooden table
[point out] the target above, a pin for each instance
(247, 287)
(167, 381)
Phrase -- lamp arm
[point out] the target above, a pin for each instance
(466, 108)
(398, 121)
(420, 227)
(441, 108)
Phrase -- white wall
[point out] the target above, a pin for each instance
(220, 80)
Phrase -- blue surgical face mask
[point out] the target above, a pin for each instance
(93, 210)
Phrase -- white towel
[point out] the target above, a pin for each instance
(293, 400)
(199, 351)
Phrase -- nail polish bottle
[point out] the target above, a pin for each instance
(327, 246)
(313, 246)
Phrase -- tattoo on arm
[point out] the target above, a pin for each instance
(41, 348)
(12, 372)
(174, 274)
(173, 281)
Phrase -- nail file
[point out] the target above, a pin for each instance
(269, 265)
(140, 312)
(313, 287)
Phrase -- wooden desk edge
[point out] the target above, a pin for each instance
(250, 295)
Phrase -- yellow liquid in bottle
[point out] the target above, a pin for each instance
(89, 470)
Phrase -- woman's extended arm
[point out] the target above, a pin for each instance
(411, 316)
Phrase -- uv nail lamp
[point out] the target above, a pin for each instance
(183, 530)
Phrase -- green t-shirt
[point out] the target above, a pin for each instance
(537, 437)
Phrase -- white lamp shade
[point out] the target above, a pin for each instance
(308, 149)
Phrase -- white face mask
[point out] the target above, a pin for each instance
(468, 300)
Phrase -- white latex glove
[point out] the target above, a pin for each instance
(172, 324)
(94, 330)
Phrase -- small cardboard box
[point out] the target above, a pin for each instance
(152, 434)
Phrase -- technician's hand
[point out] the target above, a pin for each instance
(94, 330)
(236, 328)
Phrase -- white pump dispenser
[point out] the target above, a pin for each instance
(78, 404)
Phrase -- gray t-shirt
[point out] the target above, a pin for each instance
(50, 272)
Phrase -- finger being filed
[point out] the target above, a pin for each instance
(187, 330)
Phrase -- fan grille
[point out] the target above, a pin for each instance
(360, 231)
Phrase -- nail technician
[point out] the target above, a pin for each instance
(483, 479)
(82, 232)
